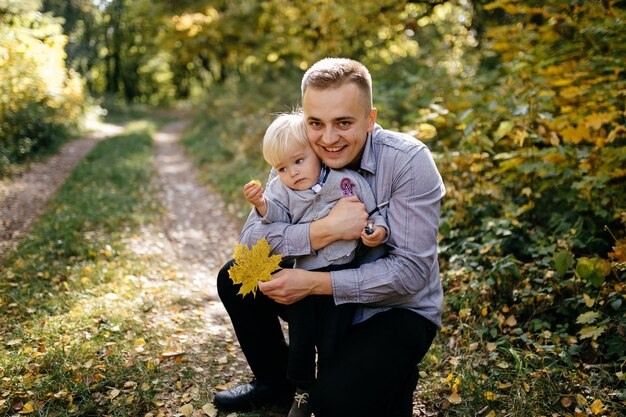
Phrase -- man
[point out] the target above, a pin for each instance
(396, 286)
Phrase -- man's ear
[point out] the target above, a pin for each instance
(371, 119)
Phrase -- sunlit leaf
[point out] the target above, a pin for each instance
(592, 332)
(454, 398)
(588, 317)
(426, 131)
(511, 321)
(597, 407)
(503, 129)
(619, 251)
(593, 269)
(27, 408)
(186, 410)
(575, 135)
(210, 410)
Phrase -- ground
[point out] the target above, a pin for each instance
(196, 237)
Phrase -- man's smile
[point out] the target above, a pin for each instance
(333, 149)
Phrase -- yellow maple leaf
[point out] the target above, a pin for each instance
(253, 265)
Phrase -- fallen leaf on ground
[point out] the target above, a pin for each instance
(186, 410)
(209, 410)
(454, 398)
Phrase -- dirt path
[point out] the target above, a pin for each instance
(22, 199)
(195, 237)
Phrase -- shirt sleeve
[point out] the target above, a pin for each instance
(284, 238)
(277, 201)
(410, 265)
(366, 195)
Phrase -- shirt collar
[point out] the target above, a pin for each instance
(324, 171)
(368, 159)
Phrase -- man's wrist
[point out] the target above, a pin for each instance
(322, 284)
(319, 235)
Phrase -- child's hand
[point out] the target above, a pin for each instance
(376, 238)
(254, 194)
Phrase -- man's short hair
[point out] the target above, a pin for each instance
(285, 134)
(334, 72)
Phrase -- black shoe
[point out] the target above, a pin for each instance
(253, 395)
(300, 406)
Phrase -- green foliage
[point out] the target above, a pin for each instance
(523, 104)
(533, 222)
(529, 122)
(226, 139)
(40, 101)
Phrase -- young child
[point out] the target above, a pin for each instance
(300, 190)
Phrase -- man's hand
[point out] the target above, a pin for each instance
(290, 285)
(345, 221)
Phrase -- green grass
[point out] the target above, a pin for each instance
(77, 308)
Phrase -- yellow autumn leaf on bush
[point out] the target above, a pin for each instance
(253, 265)
(619, 251)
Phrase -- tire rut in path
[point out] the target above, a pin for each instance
(22, 199)
(197, 225)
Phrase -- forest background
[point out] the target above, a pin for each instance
(521, 102)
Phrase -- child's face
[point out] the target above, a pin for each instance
(300, 170)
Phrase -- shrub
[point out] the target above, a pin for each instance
(40, 100)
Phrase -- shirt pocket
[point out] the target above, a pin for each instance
(341, 250)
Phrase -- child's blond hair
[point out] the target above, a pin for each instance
(284, 135)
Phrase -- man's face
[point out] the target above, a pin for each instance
(337, 124)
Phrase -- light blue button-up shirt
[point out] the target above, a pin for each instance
(403, 273)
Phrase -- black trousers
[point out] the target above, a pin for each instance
(372, 373)
(316, 324)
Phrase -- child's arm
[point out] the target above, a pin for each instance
(254, 194)
(376, 238)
